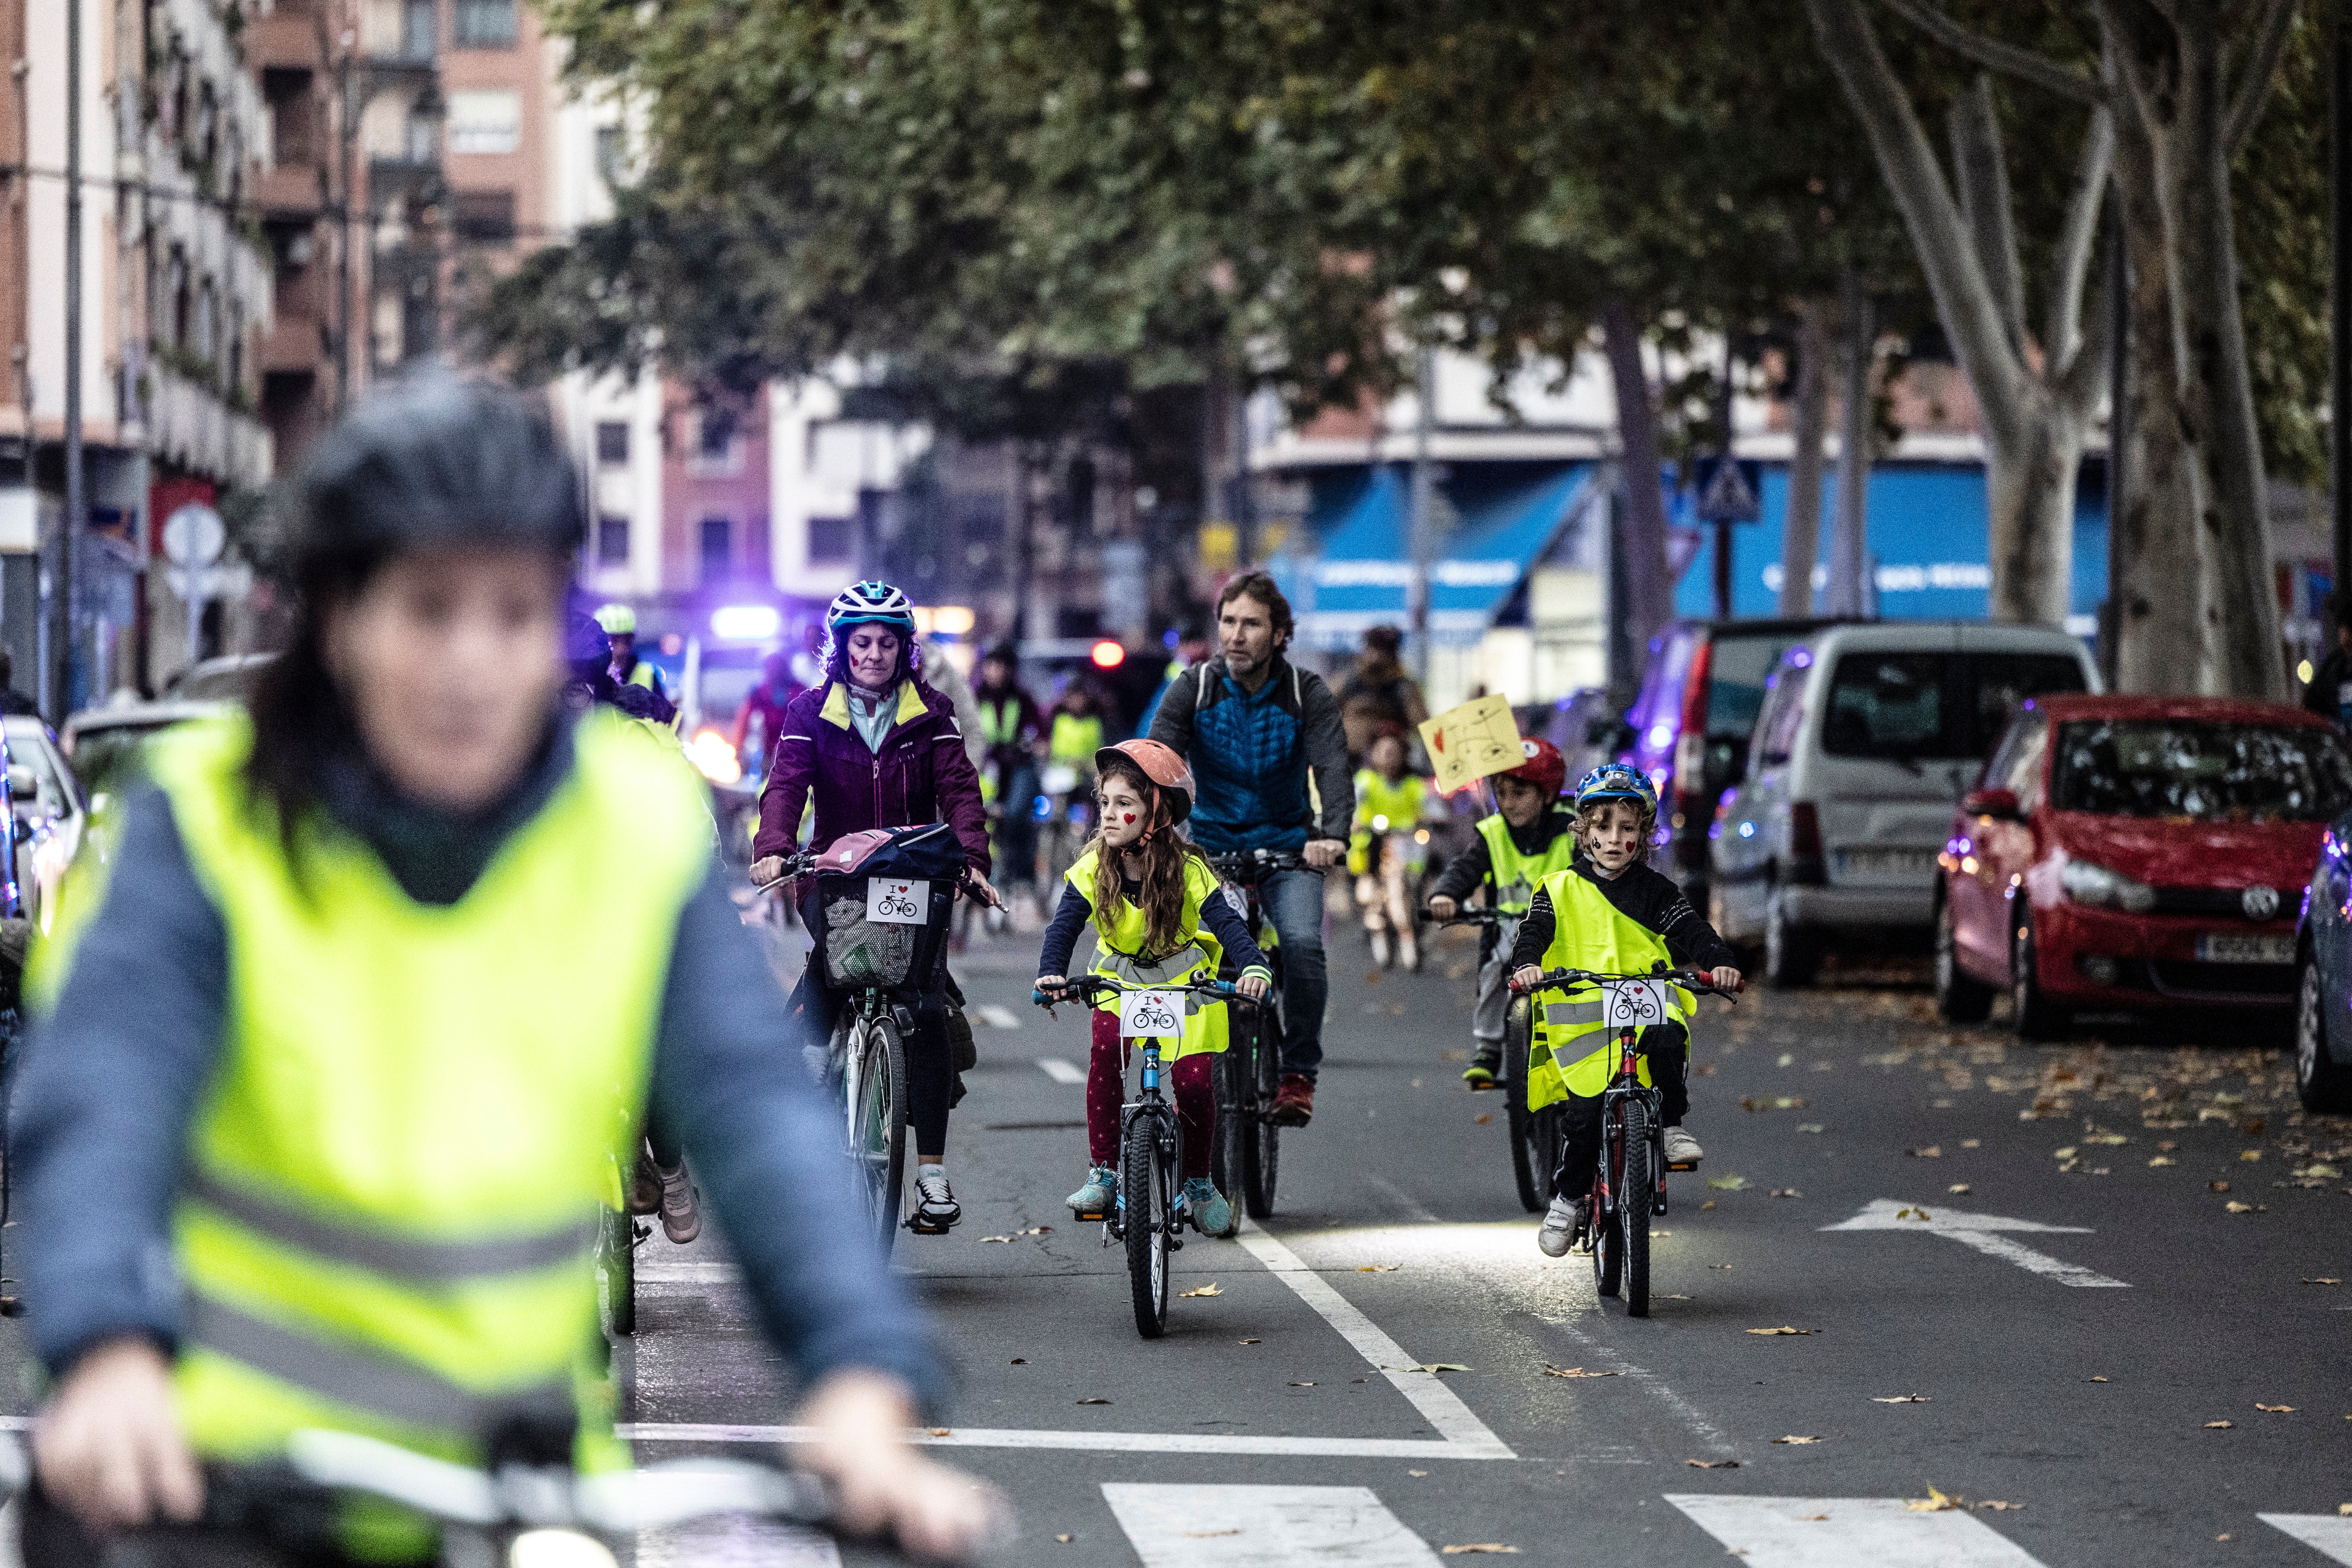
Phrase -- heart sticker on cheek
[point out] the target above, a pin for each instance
(1128, 815)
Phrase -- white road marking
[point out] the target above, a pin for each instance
(1438, 1405)
(1263, 1527)
(1603, 1358)
(686, 1271)
(995, 1017)
(1104, 1441)
(1061, 1071)
(1414, 1209)
(2328, 1535)
(1977, 1231)
(1848, 1532)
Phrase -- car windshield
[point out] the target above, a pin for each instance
(1910, 706)
(2199, 770)
(1736, 670)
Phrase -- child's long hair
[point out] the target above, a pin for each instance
(1164, 855)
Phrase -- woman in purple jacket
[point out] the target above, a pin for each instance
(877, 748)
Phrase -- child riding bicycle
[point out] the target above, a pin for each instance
(1383, 854)
(1609, 911)
(1161, 918)
(1531, 835)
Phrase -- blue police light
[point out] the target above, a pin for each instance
(1747, 830)
(746, 622)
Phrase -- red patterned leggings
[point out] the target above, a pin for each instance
(1190, 1085)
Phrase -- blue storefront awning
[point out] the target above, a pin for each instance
(1358, 578)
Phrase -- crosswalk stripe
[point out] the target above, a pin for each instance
(2325, 1533)
(688, 1271)
(735, 1539)
(1848, 1532)
(996, 1017)
(1061, 1071)
(1263, 1527)
(1086, 1442)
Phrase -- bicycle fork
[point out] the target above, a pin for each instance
(1168, 1144)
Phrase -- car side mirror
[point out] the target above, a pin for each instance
(1998, 804)
(23, 782)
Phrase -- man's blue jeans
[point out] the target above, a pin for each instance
(1292, 900)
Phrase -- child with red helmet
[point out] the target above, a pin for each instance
(1530, 835)
(1161, 918)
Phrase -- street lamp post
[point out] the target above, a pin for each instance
(61, 639)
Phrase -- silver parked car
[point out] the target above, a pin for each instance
(51, 811)
(1868, 736)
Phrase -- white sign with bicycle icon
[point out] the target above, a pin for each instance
(1147, 1014)
(1635, 1004)
(899, 901)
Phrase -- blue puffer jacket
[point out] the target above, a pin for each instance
(1252, 754)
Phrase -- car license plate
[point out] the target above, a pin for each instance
(1888, 864)
(897, 901)
(2245, 949)
(1150, 1014)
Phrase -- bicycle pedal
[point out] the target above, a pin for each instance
(1175, 1244)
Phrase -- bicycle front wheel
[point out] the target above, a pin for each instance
(876, 1102)
(616, 1270)
(1147, 1201)
(1261, 1138)
(1633, 1203)
(1532, 1156)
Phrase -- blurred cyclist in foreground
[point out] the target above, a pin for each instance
(324, 1080)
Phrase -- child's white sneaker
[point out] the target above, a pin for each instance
(1682, 1149)
(1560, 1224)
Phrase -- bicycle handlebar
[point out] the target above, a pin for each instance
(1688, 978)
(805, 864)
(1089, 988)
(1480, 916)
(1236, 860)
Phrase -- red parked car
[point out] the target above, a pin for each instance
(2127, 853)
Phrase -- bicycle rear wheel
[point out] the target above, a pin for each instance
(876, 1090)
(1261, 1139)
(1147, 1200)
(1532, 1157)
(1633, 1203)
(1231, 1080)
(616, 1271)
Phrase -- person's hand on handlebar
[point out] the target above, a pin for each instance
(1252, 986)
(1725, 978)
(110, 1447)
(1443, 908)
(881, 1481)
(766, 870)
(1525, 975)
(1321, 853)
(984, 892)
(1054, 987)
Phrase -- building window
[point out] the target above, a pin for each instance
(611, 154)
(485, 121)
(486, 23)
(715, 433)
(828, 538)
(417, 31)
(613, 537)
(717, 547)
(485, 217)
(611, 444)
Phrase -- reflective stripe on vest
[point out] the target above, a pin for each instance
(1000, 723)
(1400, 803)
(1515, 876)
(1570, 1053)
(344, 1269)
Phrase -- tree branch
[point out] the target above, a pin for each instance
(2261, 68)
(2069, 262)
(1994, 55)
(1939, 237)
(1981, 172)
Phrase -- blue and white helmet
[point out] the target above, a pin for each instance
(870, 604)
(1617, 780)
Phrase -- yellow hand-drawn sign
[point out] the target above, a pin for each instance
(1469, 742)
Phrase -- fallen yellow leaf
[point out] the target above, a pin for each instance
(1482, 1120)
(1899, 1399)
(1379, 1267)
(1932, 1152)
(1065, 1540)
(1434, 1367)
(1712, 1464)
(1784, 1329)
(1577, 1371)
(1957, 1188)
(1796, 1439)
(1211, 1288)
(1998, 1507)
(2275, 1409)
(1728, 1184)
(941, 1431)
(1495, 1548)
(2219, 1426)
(2162, 1160)
(2234, 1206)
(2249, 1155)
(1933, 1502)
(2323, 1279)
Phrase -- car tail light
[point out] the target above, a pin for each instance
(1690, 746)
(1807, 866)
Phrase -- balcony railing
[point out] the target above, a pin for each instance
(189, 426)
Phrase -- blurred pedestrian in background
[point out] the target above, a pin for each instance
(1380, 693)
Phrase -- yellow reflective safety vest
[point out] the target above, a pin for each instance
(1122, 951)
(1569, 1053)
(386, 1223)
(1512, 881)
(1382, 807)
(1075, 740)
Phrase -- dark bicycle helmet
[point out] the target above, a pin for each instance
(1617, 780)
(433, 460)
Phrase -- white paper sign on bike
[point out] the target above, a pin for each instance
(897, 900)
(1150, 1014)
(1636, 1003)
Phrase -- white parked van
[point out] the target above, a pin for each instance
(1868, 736)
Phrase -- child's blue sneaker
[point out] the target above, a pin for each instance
(1094, 1200)
(1211, 1215)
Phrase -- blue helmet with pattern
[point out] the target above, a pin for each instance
(1617, 780)
(870, 604)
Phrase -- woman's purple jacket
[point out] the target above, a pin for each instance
(921, 774)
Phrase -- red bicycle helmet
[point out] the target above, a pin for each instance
(1545, 768)
(1168, 772)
